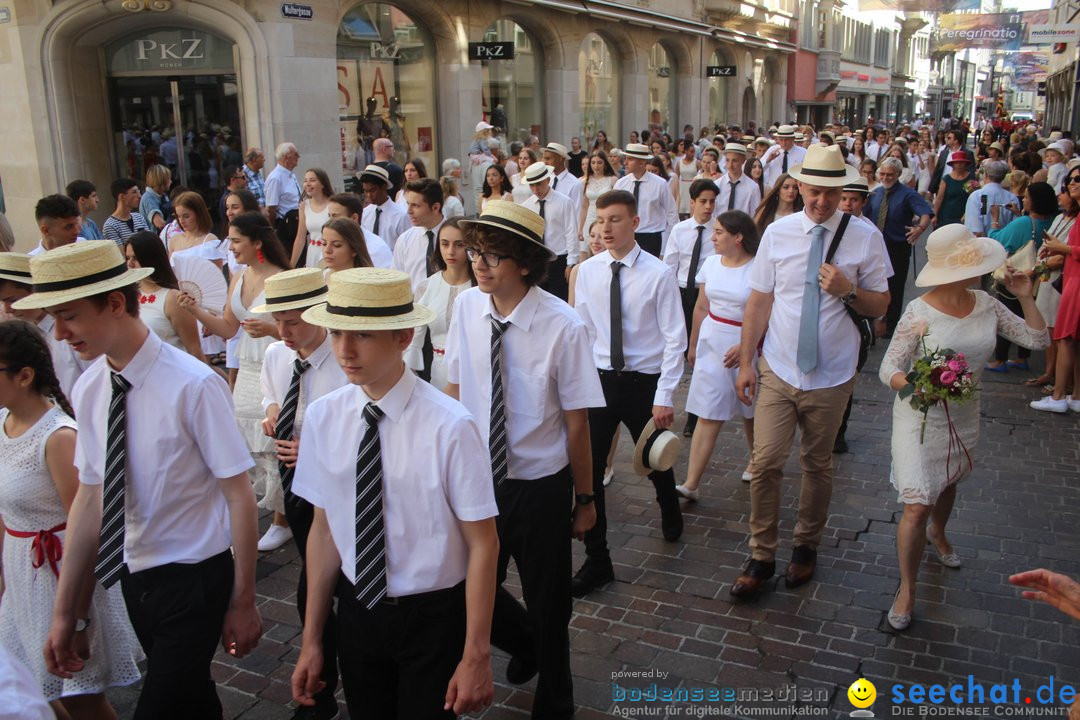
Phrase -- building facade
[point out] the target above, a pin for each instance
(97, 89)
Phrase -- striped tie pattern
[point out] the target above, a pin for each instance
(370, 576)
(497, 435)
(287, 420)
(111, 545)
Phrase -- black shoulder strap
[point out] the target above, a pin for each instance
(838, 237)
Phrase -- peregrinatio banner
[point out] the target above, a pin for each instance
(938, 6)
(1000, 31)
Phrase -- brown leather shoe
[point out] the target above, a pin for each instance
(755, 574)
(801, 568)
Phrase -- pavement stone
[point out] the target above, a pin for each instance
(669, 610)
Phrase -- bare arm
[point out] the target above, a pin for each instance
(453, 390)
(301, 236)
(184, 324)
(60, 462)
(577, 432)
(701, 309)
(243, 626)
(224, 326)
(755, 320)
(323, 563)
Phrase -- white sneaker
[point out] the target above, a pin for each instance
(1049, 404)
(274, 538)
(687, 493)
(608, 475)
(1074, 405)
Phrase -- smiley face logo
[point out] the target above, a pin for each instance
(862, 693)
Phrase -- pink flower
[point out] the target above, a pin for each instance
(957, 366)
(959, 356)
(948, 377)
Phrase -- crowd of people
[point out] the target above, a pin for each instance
(481, 366)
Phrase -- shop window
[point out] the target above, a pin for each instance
(511, 88)
(598, 90)
(661, 91)
(718, 91)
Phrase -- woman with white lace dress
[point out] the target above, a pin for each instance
(314, 212)
(598, 179)
(38, 482)
(926, 466)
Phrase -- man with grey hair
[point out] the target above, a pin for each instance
(977, 215)
(254, 159)
(383, 152)
(283, 195)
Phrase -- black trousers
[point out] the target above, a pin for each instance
(300, 514)
(177, 612)
(397, 658)
(651, 243)
(1001, 349)
(555, 281)
(534, 528)
(900, 257)
(629, 398)
(285, 226)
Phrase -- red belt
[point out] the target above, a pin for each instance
(438, 351)
(45, 548)
(719, 319)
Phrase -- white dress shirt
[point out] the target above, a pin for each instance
(381, 254)
(878, 238)
(411, 253)
(282, 190)
(547, 368)
(656, 204)
(323, 377)
(654, 330)
(66, 363)
(680, 247)
(41, 246)
(569, 186)
(780, 269)
(876, 152)
(392, 221)
(560, 223)
(181, 439)
(436, 474)
(773, 163)
(747, 195)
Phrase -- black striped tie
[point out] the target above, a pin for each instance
(287, 420)
(111, 546)
(497, 436)
(370, 576)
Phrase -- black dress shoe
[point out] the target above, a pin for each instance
(801, 568)
(520, 669)
(751, 579)
(671, 522)
(840, 446)
(591, 576)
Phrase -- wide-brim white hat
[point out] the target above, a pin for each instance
(369, 299)
(824, 166)
(637, 150)
(15, 267)
(513, 218)
(374, 173)
(656, 450)
(538, 173)
(76, 271)
(558, 149)
(735, 147)
(954, 253)
(293, 290)
(785, 131)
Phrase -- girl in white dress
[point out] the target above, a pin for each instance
(196, 239)
(345, 246)
(522, 191)
(724, 288)
(255, 244)
(237, 203)
(38, 482)
(414, 170)
(439, 292)
(159, 295)
(926, 466)
(497, 185)
(598, 179)
(314, 212)
(687, 169)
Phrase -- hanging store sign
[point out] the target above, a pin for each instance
(1050, 34)
(715, 71)
(999, 31)
(491, 51)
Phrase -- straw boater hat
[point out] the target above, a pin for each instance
(763, 141)
(785, 131)
(656, 450)
(538, 173)
(79, 270)
(293, 290)
(824, 166)
(636, 150)
(799, 137)
(369, 299)
(858, 185)
(558, 149)
(15, 267)
(374, 173)
(513, 218)
(735, 148)
(954, 253)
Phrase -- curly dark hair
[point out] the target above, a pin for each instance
(529, 255)
(24, 346)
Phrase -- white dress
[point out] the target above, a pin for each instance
(438, 295)
(712, 386)
(687, 173)
(247, 400)
(594, 189)
(314, 222)
(212, 249)
(152, 313)
(29, 502)
(921, 468)
(522, 191)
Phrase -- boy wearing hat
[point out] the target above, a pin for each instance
(782, 156)
(297, 370)
(520, 360)
(629, 300)
(560, 217)
(403, 534)
(656, 209)
(737, 192)
(382, 216)
(163, 490)
(555, 154)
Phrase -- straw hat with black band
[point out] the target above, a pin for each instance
(656, 449)
(76, 271)
(639, 151)
(513, 218)
(364, 299)
(559, 149)
(293, 290)
(15, 267)
(375, 174)
(824, 166)
(858, 185)
(785, 131)
(538, 173)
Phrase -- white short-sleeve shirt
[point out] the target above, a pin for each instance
(411, 253)
(181, 439)
(436, 474)
(393, 221)
(323, 377)
(547, 368)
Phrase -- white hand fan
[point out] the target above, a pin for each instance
(202, 280)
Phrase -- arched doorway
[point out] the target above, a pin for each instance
(749, 106)
(661, 90)
(386, 63)
(511, 88)
(598, 89)
(719, 90)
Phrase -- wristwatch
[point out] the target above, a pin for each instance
(584, 498)
(850, 297)
(81, 624)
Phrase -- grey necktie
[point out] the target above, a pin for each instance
(618, 362)
(731, 197)
(807, 354)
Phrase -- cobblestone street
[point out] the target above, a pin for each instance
(670, 611)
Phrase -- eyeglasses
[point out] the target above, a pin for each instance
(490, 259)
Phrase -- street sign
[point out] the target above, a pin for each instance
(720, 71)
(491, 51)
(296, 11)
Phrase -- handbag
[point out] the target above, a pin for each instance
(863, 324)
(1023, 260)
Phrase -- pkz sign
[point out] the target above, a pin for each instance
(170, 50)
(719, 71)
(491, 51)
